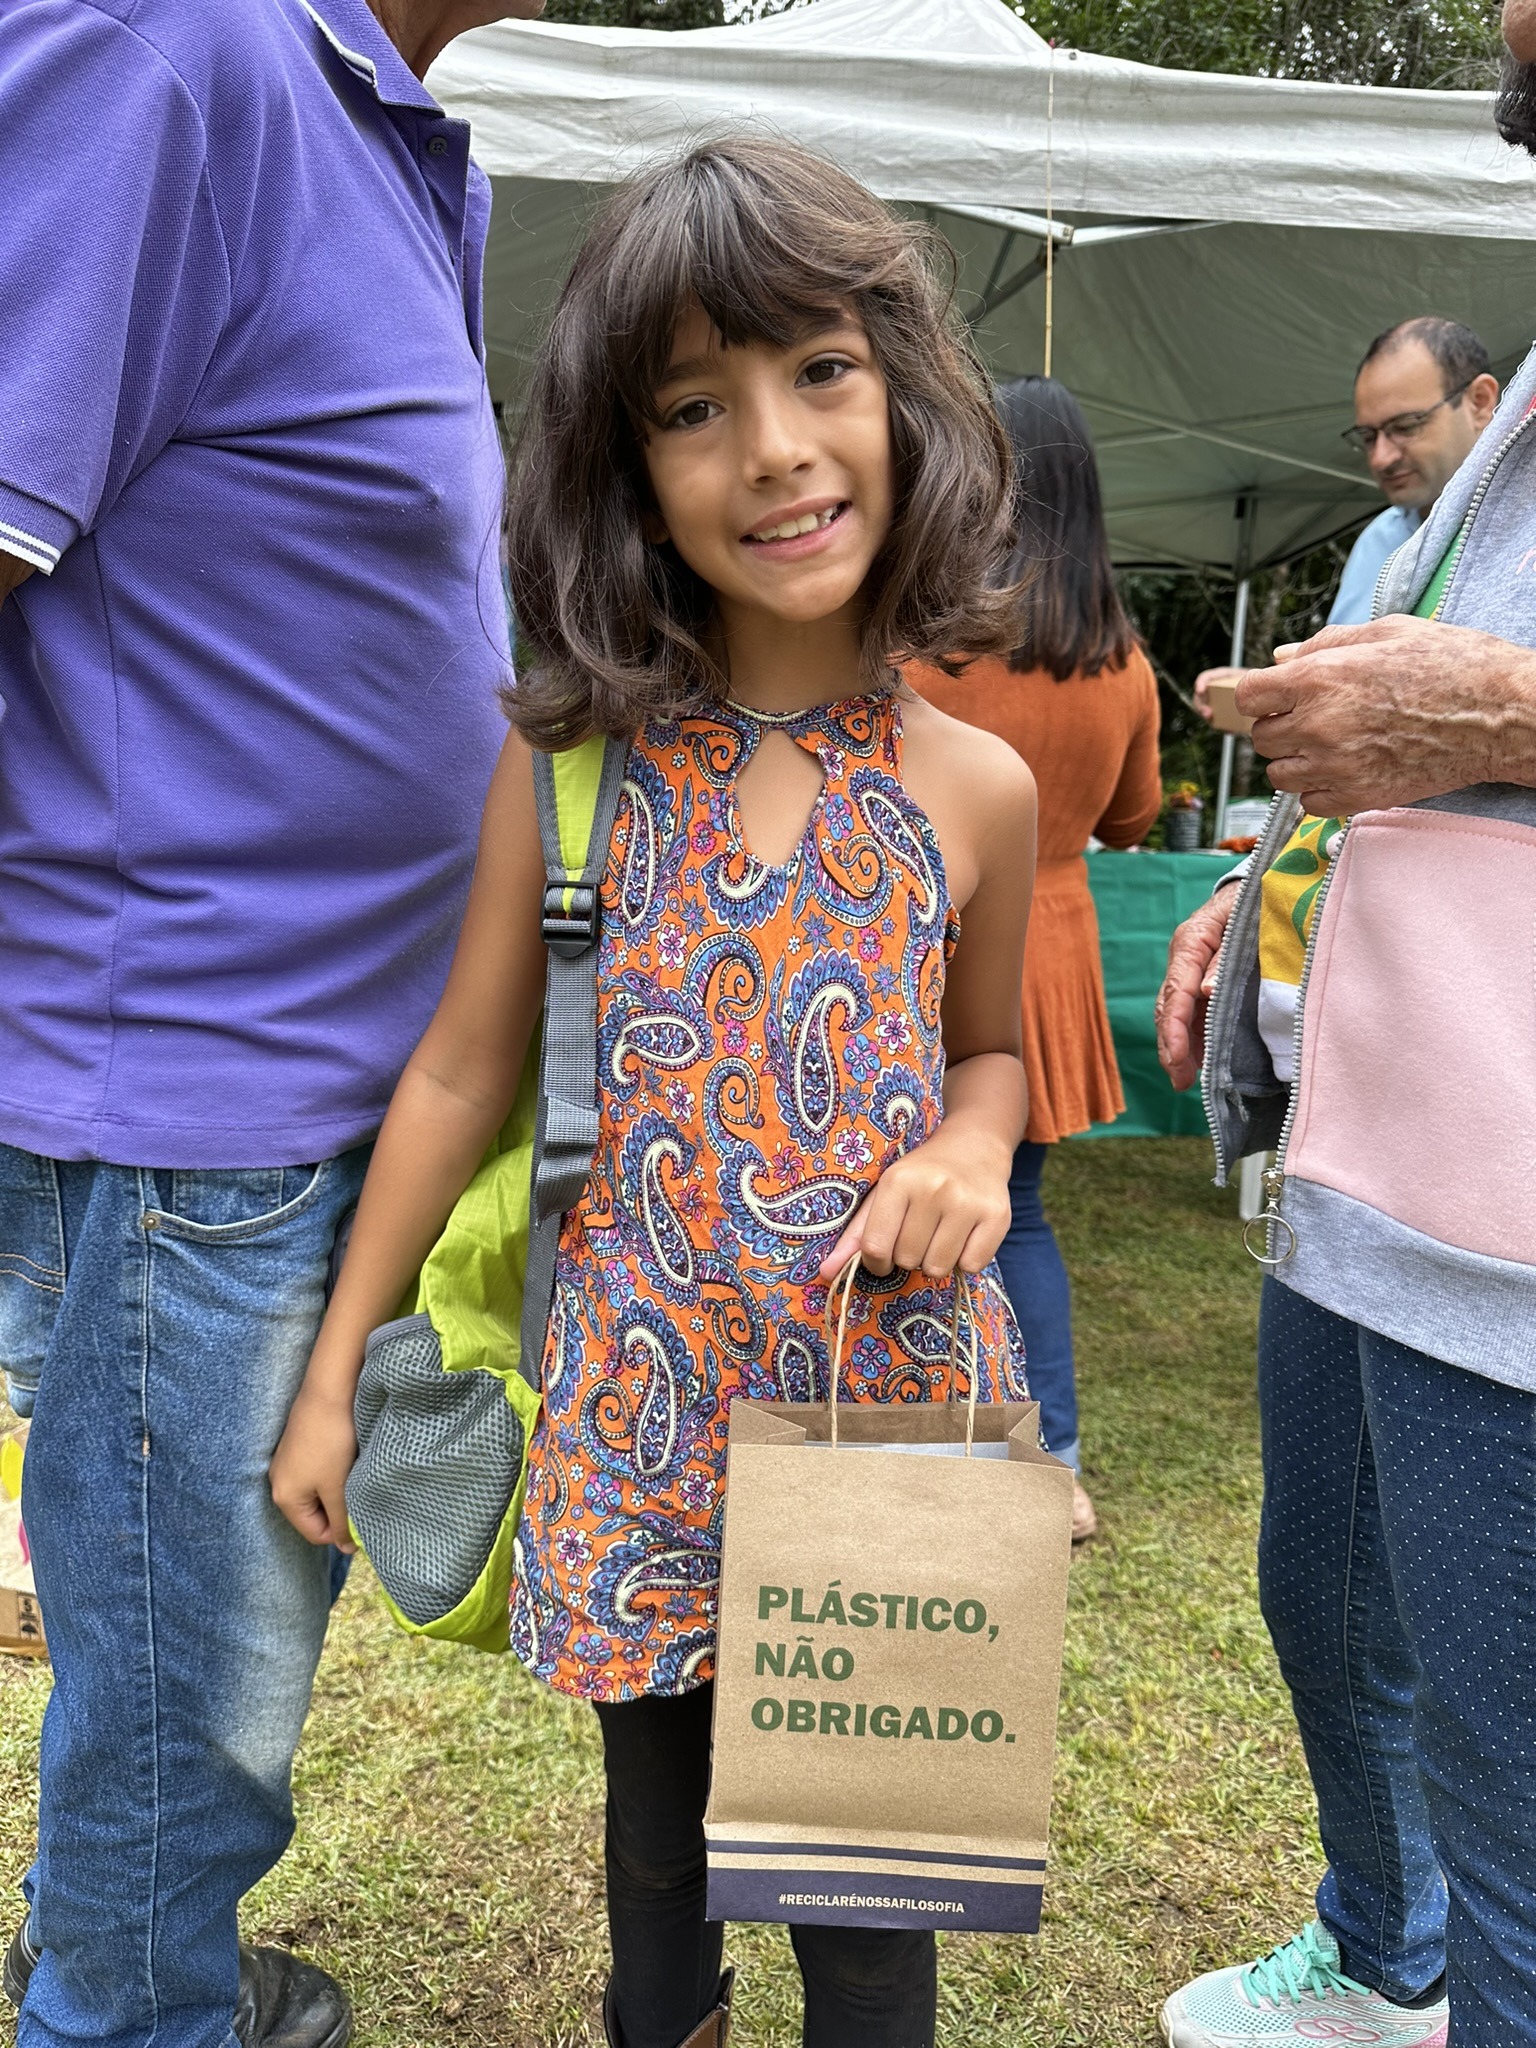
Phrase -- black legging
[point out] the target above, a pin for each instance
(864, 1987)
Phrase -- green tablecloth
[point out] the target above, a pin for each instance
(1141, 897)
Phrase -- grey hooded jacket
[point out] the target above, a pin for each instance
(1401, 1194)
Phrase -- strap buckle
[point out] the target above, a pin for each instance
(573, 916)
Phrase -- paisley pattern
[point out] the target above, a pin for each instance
(768, 1043)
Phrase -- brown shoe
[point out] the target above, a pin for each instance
(713, 2031)
(1085, 1520)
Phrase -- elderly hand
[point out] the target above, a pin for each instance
(1361, 717)
(1186, 989)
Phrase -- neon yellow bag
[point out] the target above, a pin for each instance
(450, 1393)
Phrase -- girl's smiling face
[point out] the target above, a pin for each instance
(772, 468)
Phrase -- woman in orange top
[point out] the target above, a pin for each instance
(1078, 700)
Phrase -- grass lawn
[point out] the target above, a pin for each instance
(448, 1862)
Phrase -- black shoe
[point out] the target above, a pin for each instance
(20, 1962)
(287, 2003)
(283, 2003)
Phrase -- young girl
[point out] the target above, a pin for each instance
(759, 466)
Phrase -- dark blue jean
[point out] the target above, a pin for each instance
(1397, 1567)
(155, 1325)
(1037, 1285)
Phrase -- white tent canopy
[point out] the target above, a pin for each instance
(1224, 247)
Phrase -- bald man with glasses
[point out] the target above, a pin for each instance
(1423, 394)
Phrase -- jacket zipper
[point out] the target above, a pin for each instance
(1270, 1219)
(1478, 496)
(1274, 1225)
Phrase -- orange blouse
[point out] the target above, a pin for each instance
(1092, 743)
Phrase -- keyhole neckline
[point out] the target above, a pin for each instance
(735, 830)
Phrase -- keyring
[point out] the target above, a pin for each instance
(1269, 1260)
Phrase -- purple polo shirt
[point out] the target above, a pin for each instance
(249, 706)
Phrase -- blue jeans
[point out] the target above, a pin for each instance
(1037, 1285)
(1397, 1569)
(155, 1325)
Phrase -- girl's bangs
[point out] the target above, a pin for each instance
(765, 267)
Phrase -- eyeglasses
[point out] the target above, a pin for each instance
(1406, 427)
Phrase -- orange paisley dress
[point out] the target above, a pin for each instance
(768, 1043)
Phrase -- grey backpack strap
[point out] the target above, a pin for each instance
(565, 1136)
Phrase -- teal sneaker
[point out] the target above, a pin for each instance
(1296, 1997)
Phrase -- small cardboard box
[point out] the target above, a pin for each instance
(21, 1621)
(21, 1624)
(1225, 716)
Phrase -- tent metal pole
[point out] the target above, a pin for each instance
(1246, 511)
(1000, 294)
(1229, 740)
(1004, 251)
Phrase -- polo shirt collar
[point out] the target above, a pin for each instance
(355, 33)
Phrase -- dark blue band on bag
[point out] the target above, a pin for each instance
(808, 1893)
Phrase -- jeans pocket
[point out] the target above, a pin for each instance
(231, 1205)
(32, 1263)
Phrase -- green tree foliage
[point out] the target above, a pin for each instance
(1366, 42)
(1424, 43)
(1446, 43)
(638, 13)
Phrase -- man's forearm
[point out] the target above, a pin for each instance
(1473, 722)
(1509, 725)
(13, 572)
(1361, 717)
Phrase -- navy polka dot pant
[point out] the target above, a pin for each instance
(1397, 1570)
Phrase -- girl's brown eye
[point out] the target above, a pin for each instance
(692, 415)
(825, 370)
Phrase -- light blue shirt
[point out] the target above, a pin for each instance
(1367, 558)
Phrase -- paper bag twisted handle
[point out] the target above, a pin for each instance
(840, 1293)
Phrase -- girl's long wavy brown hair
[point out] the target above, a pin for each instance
(770, 241)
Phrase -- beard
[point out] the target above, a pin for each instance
(1514, 111)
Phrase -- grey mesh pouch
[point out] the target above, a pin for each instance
(440, 1460)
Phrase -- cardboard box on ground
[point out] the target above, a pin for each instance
(890, 1649)
(21, 1621)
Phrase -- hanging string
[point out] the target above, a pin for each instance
(1050, 231)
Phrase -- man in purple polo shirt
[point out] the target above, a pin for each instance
(251, 631)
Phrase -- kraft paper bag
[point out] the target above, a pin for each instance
(889, 1667)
